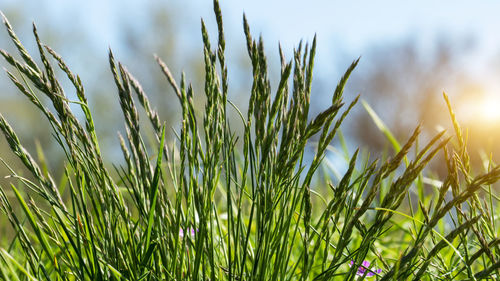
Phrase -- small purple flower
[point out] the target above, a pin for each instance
(365, 266)
(191, 230)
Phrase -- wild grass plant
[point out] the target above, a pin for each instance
(217, 205)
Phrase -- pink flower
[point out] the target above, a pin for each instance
(365, 267)
(192, 230)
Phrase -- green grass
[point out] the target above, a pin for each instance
(212, 204)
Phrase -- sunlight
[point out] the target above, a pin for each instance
(483, 109)
(488, 109)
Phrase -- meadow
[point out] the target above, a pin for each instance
(217, 203)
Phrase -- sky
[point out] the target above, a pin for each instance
(357, 25)
(344, 28)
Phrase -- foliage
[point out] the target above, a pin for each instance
(217, 205)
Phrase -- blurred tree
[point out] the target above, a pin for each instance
(404, 83)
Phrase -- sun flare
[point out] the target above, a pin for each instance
(488, 109)
(484, 109)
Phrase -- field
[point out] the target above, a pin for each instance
(217, 203)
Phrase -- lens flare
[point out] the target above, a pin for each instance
(488, 109)
(481, 109)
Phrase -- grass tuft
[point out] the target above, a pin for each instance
(217, 205)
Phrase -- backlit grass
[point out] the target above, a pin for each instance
(213, 204)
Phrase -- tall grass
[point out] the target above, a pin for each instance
(215, 205)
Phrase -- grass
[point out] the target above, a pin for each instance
(216, 205)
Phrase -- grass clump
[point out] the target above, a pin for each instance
(215, 205)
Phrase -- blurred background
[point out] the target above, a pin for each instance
(410, 53)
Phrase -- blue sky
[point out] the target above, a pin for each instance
(355, 24)
(343, 27)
